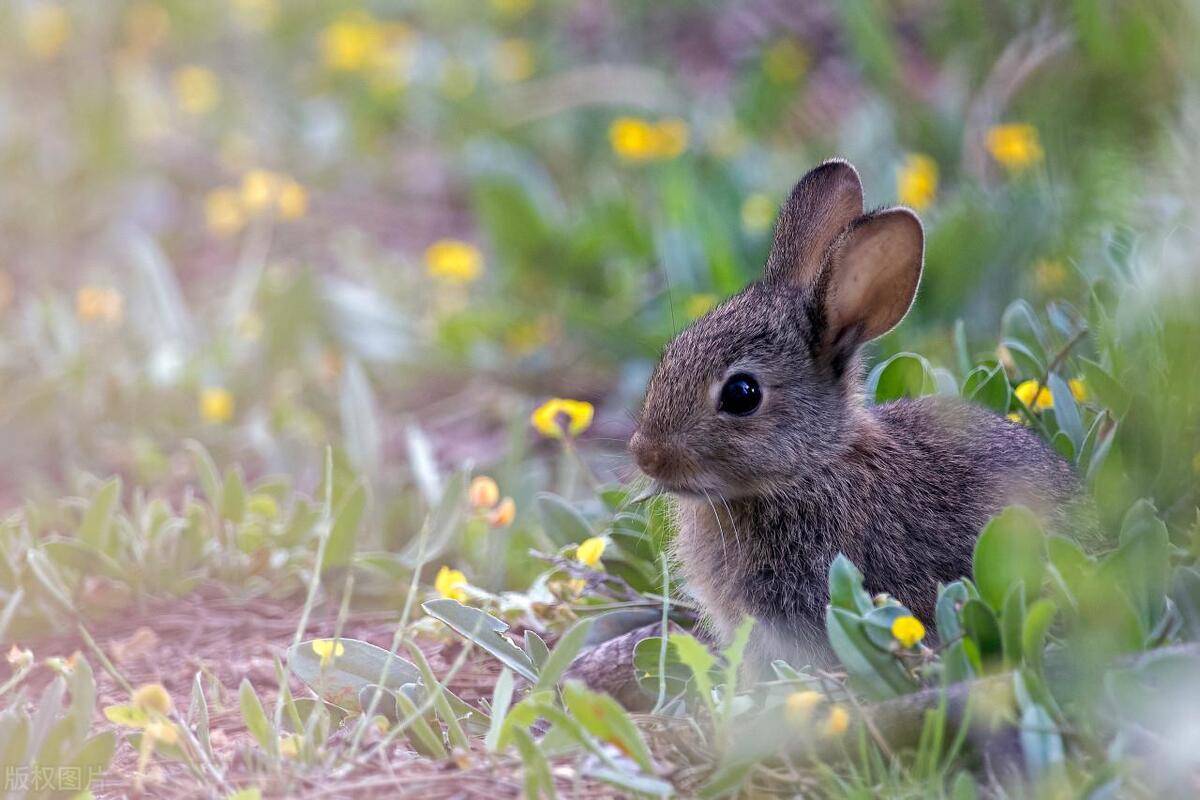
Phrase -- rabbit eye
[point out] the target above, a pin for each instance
(740, 396)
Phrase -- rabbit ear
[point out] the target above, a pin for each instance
(821, 205)
(871, 276)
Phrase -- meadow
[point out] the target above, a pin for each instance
(324, 327)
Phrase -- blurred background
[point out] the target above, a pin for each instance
(400, 227)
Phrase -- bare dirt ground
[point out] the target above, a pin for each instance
(226, 640)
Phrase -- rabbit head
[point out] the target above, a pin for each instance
(762, 389)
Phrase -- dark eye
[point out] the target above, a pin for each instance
(740, 395)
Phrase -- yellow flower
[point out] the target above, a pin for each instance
(46, 27)
(451, 583)
(799, 706)
(785, 61)
(1078, 390)
(259, 191)
(353, 42)
(549, 417)
(197, 89)
(152, 697)
(917, 181)
(483, 492)
(289, 745)
(503, 514)
(161, 730)
(1037, 398)
(907, 630)
(223, 212)
(758, 212)
(99, 304)
(699, 304)
(292, 201)
(513, 60)
(327, 650)
(837, 722)
(453, 261)
(1050, 275)
(638, 140)
(216, 404)
(1015, 416)
(590, 550)
(1014, 145)
(512, 8)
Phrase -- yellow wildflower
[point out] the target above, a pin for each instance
(1050, 275)
(758, 212)
(549, 417)
(99, 304)
(917, 181)
(453, 261)
(197, 89)
(907, 630)
(292, 200)
(512, 8)
(785, 61)
(289, 745)
(216, 404)
(152, 697)
(1036, 397)
(699, 304)
(483, 492)
(1014, 145)
(353, 42)
(503, 514)
(1078, 390)
(259, 190)
(223, 212)
(590, 550)
(513, 60)
(161, 730)
(638, 140)
(46, 27)
(837, 722)
(327, 650)
(799, 706)
(451, 583)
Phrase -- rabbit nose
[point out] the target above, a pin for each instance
(652, 456)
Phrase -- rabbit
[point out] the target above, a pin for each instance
(755, 423)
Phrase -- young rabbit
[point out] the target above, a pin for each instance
(754, 421)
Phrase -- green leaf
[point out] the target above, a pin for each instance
(603, 717)
(696, 656)
(198, 714)
(206, 471)
(94, 756)
(1010, 549)
(562, 523)
(950, 601)
(902, 375)
(233, 496)
(637, 785)
(1140, 564)
(988, 387)
(1066, 412)
(484, 630)
(875, 672)
(1107, 389)
(1041, 742)
(360, 664)
(726, 781)
(1012, 625)
(980, 625)
(563, 654)
(441, 525)
(96, 527)
(538, 780)
(82, 557)
(441, 701)
(536, 649)
(1033, 635)
(846, 587)
(421, 734)
(502, 694)
(127, 716)
(339, 550)
(255, 718)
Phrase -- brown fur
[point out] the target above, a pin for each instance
(765, 502)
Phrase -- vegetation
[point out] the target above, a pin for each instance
(321, 325)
